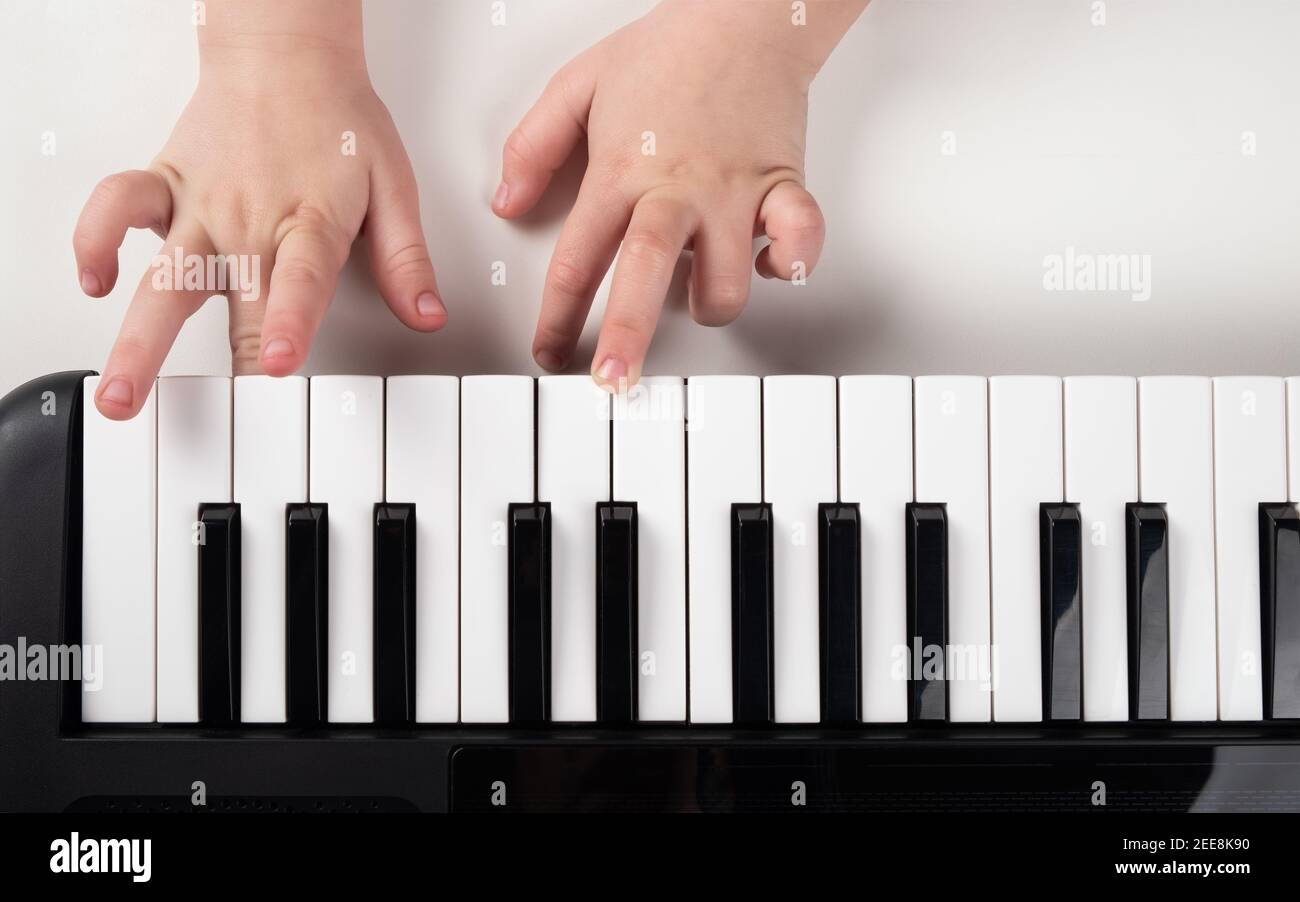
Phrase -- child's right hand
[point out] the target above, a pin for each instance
(259, 164)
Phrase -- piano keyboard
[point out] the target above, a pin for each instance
(712, 550)
(718, 593)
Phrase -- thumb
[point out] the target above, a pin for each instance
(543, 139)
(794, 224)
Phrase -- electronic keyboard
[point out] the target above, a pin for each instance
(721, 593)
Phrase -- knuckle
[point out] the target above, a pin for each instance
(568, 280)
(520, 147)
(561, 83)
(300, 272)
(109, 194)
(722, 299)
(85, 242)
(245, 348)
(234, 214)
(564, 88)
(616, 168)
(626, 327)
(113, 188)
(409, 260)
(131, 349)
(804, 219)
(649, 249)
(308, 217)
(549, 336)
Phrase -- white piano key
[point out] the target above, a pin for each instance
(573, 438)
(1024, 471)
(346, 467)
(117, 561)
(952, 468)
(1293, 438)
(270, 472)
(799, 472)
(496, 453)
(724, 459)
(650, 468)
(1101, 476)
(1175, 448)
(1249, 468)
(876, 473)
(194, 448)
(422, 457)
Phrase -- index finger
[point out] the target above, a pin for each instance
(660, 227)
(150, 326)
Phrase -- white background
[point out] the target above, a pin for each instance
(1124, 138)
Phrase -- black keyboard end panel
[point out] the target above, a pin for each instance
(40, 567)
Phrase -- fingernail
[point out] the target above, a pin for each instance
(277, 347)
(117, 391)
(429, 304)
(499, 199)
(549, 360)
(611, 373)
(90, 283)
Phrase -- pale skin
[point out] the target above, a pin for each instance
(255, 166)
(722, 89)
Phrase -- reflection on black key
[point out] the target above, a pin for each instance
(1279, 584)
(1060, 560)
(927, 611)
(530, 613)
(840, 596)
(616, 613)
(394, 613)
(751, 613)
(1148, 611)
(219, 636)
(307, 567)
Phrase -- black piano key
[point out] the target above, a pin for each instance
(219, 630)
(1279, 599)
(751, 614)
(307, 612)
(927, 611)
(530, 613)
(1147, 529)
(1060, 574)
(840, 597)
(616, 613)
(394, 631)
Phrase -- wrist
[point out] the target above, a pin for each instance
(799, 37)
(301, 47)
